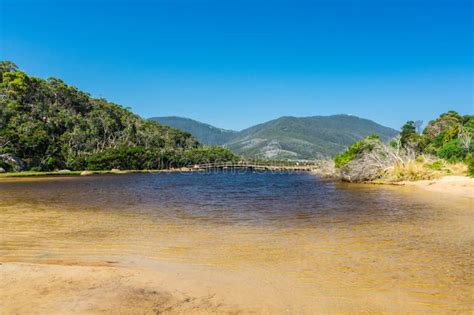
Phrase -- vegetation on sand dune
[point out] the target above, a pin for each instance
(444, 147)
(366, 144)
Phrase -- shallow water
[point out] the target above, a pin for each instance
(286, 242)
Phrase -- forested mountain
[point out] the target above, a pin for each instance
(47, 125)
(305, 137)
(291, 137)
(205, 133)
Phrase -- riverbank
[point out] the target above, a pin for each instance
(85, 173)
(460, 186)
(170, 170)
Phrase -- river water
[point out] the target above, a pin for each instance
(287, 242)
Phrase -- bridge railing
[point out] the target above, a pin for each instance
(255, 165)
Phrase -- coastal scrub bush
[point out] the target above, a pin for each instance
(209, 154)
(138, 158)
(366, 160)
(453, 151)
(121, 158)
(444, 148)
(366, 144)
(470, 165)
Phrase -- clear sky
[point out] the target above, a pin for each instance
(237, 63)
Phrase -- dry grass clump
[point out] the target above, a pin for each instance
(379, 162)
(423, 167)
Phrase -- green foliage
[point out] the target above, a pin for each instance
(7, 66)
(435, 166)
(137, 158)
(51, 125)
(442, 123)
(409, 138)
(470, 165)
(208, 155)
(453, 151)
(366, 144)
(448, 137)
(407, 133)
(119, 158)
(420, 159)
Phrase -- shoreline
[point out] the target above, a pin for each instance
(87, 172)
(120, 172)
(455, 185)
(459, 186)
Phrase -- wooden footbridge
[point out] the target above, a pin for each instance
(253, 166)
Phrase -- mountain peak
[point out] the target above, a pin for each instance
(286, 137)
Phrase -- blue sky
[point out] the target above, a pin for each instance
(237, 63)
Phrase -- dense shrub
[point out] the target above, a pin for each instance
(449, 136)
(453, 151)
(470, 165)
(355, 149)
(120, 158)
(138, 158)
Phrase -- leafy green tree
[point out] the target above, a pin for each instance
(51, 125)
(408, 133)
(450, 136)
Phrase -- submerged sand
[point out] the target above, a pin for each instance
(403, 250)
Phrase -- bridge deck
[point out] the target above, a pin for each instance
(251, 166)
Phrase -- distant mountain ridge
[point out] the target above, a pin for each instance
(296, 138)
(205, 133)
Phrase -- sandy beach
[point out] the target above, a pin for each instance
(80, 289)
(460, 186)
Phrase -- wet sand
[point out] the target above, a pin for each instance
(72, 289)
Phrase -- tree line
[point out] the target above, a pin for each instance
(49, 125)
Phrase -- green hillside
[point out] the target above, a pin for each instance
(47, 125)
(287, 137)
(205, 133)
(306, 137)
